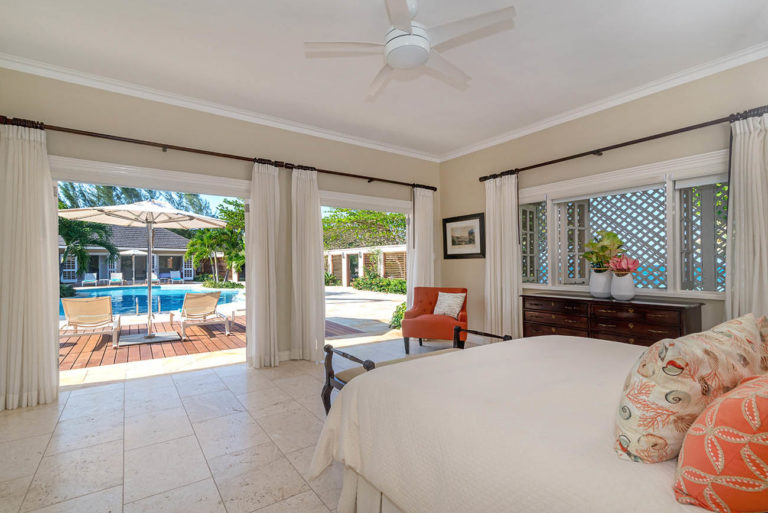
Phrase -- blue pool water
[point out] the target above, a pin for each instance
(171, 297)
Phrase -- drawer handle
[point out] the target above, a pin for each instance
(606, 325)
(607, 310)
(569, 321)
(631, 326)
(568, 307)
(552, 303)
(655, 315)
(631, 310)
(553, 316)
(554, 330)
(657, 332)
(631, 340)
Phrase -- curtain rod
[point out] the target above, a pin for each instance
(4, 120)
(759, 111)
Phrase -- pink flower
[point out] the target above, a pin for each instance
(622, 265)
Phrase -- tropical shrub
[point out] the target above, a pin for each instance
(66, 290)
(379, 284)
(397, 316)
(331, 280)
(212, 284)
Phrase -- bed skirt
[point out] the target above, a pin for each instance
(360, 496)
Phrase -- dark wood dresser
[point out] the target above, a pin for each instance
(641, 322)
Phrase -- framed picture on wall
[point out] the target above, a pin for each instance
(464, 236)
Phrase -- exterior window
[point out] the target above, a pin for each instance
(703, 235)
(573, 220)
(69, 269)
(533, 242)
(640, 220)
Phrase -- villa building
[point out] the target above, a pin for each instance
(168, 249)
(345, 264)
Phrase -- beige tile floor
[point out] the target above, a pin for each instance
(228, 439)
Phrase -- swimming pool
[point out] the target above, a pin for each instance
(170, 297)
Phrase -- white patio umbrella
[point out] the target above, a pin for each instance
(150, 213)
(133, 253)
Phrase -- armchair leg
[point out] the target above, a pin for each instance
(421, 341)
(407, 342)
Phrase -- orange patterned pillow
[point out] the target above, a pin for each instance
(674, 380)
(723, 463)
(762, 324)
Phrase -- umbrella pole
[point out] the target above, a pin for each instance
(149, 279)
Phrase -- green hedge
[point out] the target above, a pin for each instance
(66, 290)
(397, 316)
(223, 284)
(377, 284)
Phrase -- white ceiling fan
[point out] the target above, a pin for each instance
(408, 44)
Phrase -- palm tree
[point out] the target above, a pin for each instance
(78, 236)
(204, 245)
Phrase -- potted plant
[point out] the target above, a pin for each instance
(623, 284)
(605, 246)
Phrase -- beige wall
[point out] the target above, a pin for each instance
(60, 103)
(708, 98)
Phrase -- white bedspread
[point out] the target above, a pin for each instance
(520, 426)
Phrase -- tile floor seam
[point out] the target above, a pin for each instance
(122, 490)
(69, 498)
(284, 454)
(42, 457)
(165, 491)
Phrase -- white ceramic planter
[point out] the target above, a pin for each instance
(623, 287)
(600, 284)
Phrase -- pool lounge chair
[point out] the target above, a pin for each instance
(200, 308)
(89, 279)
(155, 279)
(176, 277)
(90, 313)
(116, 279)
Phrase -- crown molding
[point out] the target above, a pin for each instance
(733, 60)
(727, 62)
(118, 86)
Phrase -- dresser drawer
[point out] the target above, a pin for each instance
(633, 329)
(531, 329)
(557, 319)
(637, 313)
(555, 305)
(639, 341)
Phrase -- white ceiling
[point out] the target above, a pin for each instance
(247, 56)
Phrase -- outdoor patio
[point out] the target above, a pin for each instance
(86, 350)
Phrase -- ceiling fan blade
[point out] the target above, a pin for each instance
(450, 31)
(399, 14)
(381, 79)
(450, 72)
(352, 48)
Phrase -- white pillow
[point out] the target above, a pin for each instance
(449, 304)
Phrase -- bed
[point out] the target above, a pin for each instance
(519, 426)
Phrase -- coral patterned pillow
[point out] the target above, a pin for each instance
(723, 463)
(675, 379)
(762, 324)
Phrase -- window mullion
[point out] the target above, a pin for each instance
(672, 212)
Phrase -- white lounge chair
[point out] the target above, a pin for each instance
(116, 279)
(200, 308)
(89, 279)
(155, 279)
(90, 313)
(176, 277)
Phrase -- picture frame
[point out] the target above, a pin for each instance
(464, 236)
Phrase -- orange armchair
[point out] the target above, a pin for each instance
(421, 323)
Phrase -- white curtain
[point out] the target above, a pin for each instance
(747, 248)
(421, 250)
(261, 267)
(502, 262)
(308, 319)
(29, 295)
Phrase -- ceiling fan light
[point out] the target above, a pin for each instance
(407, 51)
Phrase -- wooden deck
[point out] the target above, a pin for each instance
(96, 350)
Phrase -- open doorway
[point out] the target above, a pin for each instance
(98, 260)
(365, 274)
